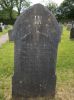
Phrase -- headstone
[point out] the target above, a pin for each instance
(72, 31)
(36, 35)
(2, 25)
(65, 24)
(69, 26)
(0, 28)
(5, 26)
(11, 37)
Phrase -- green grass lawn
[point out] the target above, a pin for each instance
(6, 30)
(64, 69)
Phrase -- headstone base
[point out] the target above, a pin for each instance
(33, 91)
(34, 98)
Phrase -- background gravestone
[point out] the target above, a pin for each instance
(69, 26)
(72, 31)
(1, 28)
(36, 34)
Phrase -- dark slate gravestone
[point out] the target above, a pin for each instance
(0, 28)
(36, 34)
(72, 31)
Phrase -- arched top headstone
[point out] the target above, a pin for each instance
(36, 19)
(36, 34)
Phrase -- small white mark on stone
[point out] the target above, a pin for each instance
(29, 25)
(37, 31)
(20, 82)
(35, 17)
(46, 25)
(44, 45)
(37, 20)
(37, 56)
(40, 85)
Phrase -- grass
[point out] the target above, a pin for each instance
(6, 30)
(64, 69)
(6, 68)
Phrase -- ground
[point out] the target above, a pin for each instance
(64, 69)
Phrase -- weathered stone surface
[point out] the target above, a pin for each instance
(36, 35)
